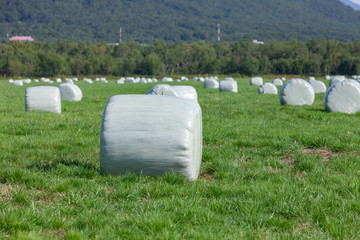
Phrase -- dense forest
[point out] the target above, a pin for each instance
(178, 21)
(314, 57)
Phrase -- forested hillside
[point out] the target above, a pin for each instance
(314, 57)
(173, 21)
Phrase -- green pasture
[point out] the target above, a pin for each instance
(268, 172)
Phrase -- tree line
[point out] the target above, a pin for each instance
(314, 57)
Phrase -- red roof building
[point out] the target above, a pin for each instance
(22, 38)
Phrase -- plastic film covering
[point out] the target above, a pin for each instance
(18, 83)
(151, 135)
(186, 92)
(319, 86)
(336, 79)
(297, 92)
(267, 88)
(278, 82)
(256, 81)
(211, 83)
(228, 86)
(163, 89)
(43, 98)
(343, 97)
(70, 92)
(311, 79)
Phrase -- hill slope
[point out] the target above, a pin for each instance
(352, 4)
(170, 20)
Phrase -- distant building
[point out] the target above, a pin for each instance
(22, 38)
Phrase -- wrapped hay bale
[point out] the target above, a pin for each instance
(154, 80)
(68, 80)
(167, 79)
(267, 88)
(228, 86)
(10, 81)
(278, 82)
(43, 98)
(318, 86)
(211, 83)
(58, 80)
(70, 92)
(151, 135)
(103, 80)
(186, 92)
(283, 79)
(336, 79)
(120, 81)
(297, 92)
(311, 79)
(163, 89)
(143, 80)
(36, 80)
(343, 97)
(256, 81)
(27, 81)
(327, 77)
(18, 83)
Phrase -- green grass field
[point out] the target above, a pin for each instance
(268, 172)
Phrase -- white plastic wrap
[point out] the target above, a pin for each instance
(327, 77)
(343, 97)
(278, 82)
(256, 81)
(336, 79)
(70, 92)
(297, 92)
(186, 92)
(319, 86)
(143, 80)
(311, 79)
(211, 83)
(228, 86)
(18, 83)
(27, 81)
(151, 135)
(167, 79)
(10, 81)
(163, 89)
(43, 98)
(267, 88)
(120, 81)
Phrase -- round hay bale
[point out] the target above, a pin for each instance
(163, 89)
(228, 86)
(167, 79)
(151, 135)
(257, 81)
(318, 86)
(327, 77)
(43, 98)
(27, 81)
(278, 82)
(120, 81)
(186, 92)
(297, 92)
(10, 81)
(343, 97)
(36, 80)
(267, 88)
(283, 79)
(336, 79)
(211, 83)
(18, 83)
(143, 80)
(70, 92)
(311, 79)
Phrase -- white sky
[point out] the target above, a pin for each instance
(356, 1)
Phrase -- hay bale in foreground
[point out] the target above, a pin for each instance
(70, 92)
(267, 88)
(343, 97)
(186, 92)
(228, 86)
(151, 135)
(43, 98)
(297, 92)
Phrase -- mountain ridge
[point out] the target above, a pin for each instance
(175, 21)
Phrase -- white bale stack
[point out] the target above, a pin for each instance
(70, 92)
(151, 135)
(186, 92)
(278, 82)
(163, 89)
(343, 97)
(297, 92)
(319, 86)
(211, 83)
(43, 98)
(228, 86)
(256, 81)
(267, 88)
(336, 79)
(18, 83)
